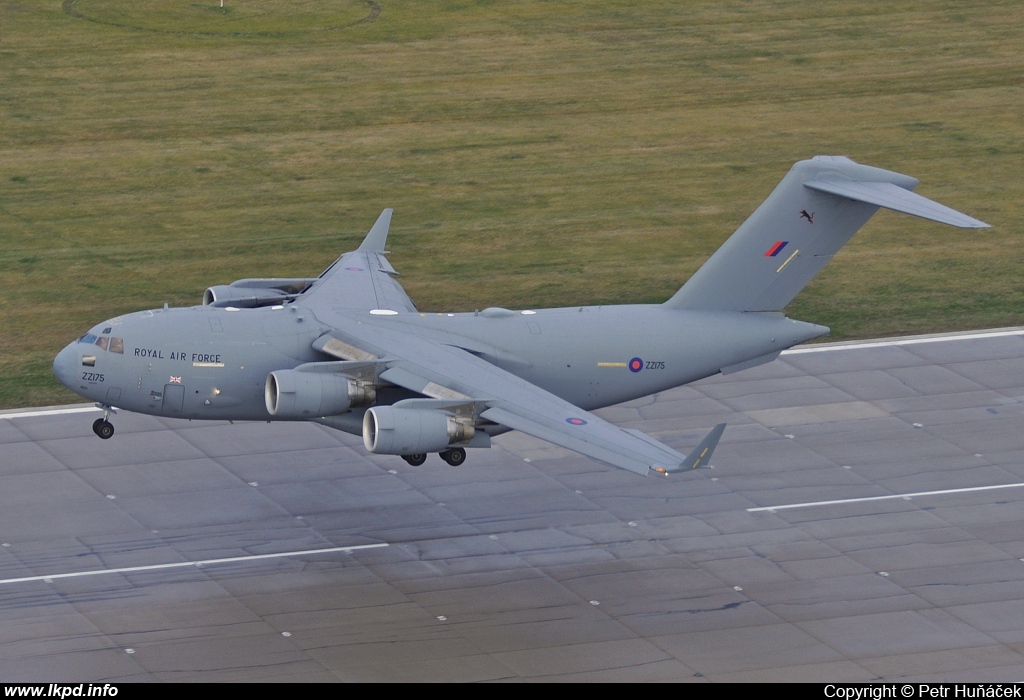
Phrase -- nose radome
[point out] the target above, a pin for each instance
(64, 366)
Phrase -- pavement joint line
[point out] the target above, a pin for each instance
(182, 564)
(893, 497)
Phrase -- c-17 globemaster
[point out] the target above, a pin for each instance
(348, 349)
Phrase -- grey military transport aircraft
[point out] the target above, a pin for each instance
(349, 350)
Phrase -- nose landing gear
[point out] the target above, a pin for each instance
(102, 426)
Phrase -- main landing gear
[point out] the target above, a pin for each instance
(102, 426)
(454, 457)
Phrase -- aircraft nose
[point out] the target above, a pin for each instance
(65, 366)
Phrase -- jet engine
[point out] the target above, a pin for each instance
(226, 295)
(409, 431)
(296, 394)
(254, 293)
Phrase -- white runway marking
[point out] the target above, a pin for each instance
(181, 564)
(903, 496)
(895, 342)
(48, 412)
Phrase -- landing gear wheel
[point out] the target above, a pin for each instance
(103, 428)
(415, 460)
(454, 457)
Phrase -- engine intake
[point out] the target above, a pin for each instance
(408, 431)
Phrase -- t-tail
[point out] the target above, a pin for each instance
(812, 213)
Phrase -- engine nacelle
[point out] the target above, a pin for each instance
(410, 431)
(254, 292)
(240, 298)
(292, 394)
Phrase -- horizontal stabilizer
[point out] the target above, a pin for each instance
(890, 196)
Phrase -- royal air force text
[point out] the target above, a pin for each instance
(180, 356)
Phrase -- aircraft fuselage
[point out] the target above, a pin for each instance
(212, 363)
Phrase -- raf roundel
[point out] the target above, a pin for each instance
(636, 364)
(354, 269)
(575, 421)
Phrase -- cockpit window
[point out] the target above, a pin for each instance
(111, 344)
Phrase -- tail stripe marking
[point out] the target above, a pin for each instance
(788, 260)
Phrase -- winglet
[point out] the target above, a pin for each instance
(700, 455)
(378, 235)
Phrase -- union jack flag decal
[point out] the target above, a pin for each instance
(175, 380)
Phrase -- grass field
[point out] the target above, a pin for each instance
(537, 153)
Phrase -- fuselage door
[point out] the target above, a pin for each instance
(174, 398)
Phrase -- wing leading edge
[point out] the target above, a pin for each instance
(449, 373)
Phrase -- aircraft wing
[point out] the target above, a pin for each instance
(362, 279)
(451, 373)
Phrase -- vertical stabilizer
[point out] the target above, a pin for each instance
(812, 213)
